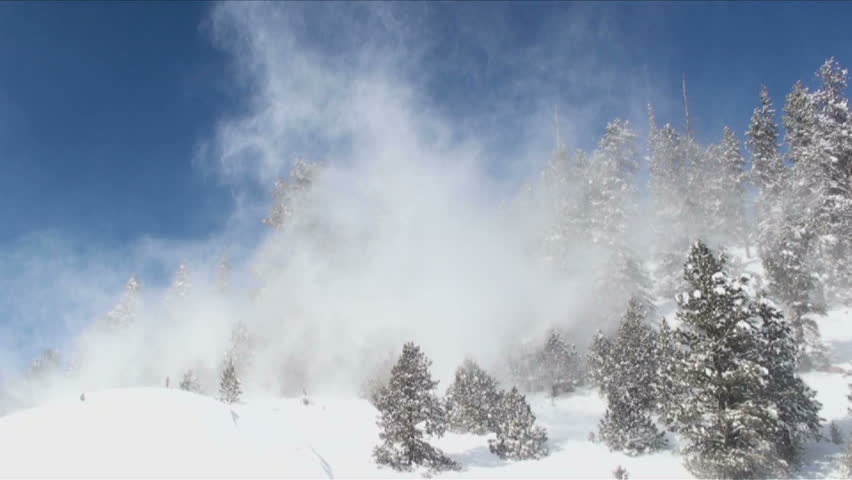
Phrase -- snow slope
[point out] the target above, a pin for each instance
(168, 432)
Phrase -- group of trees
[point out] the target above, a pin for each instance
(800, 219)
(723, 375)
(409, 410)
(725, 378)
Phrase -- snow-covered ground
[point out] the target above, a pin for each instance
(168, 432)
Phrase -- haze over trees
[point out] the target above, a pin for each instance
(594, 276)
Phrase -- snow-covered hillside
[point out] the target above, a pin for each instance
(157, 432)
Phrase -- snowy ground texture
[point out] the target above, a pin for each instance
(160, 432)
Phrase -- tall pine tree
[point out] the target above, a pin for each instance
(408, 411)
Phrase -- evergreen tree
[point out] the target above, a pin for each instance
(190, 383)
(726, 415)
(797, 411)
(732, 175)
(613, 185)
(287, 193)
(229, 386)
(408, 410)
(628, 429)
(472, 400)
(47, 363)
(668, 385)
(223, 275)
(632, 363)
(762, 142)
(598, 361)
(127, 309)
(831, 192)
(518, 438)
(835, 434)
(667, 189)
(242, 346)
(557, 365)
(792, 283)
(181, 284)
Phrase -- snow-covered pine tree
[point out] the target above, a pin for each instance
(127, 309)
(666, 187)
(409, 410)
(613, 185)
(47, 363)
(622, 279)
(732, 175)
(472, 400)
(832, 181)
(598, 361)
(668, 386)
(223, 275)
(627, 424)
(797, 412)
(767, 166)
(785, 260)
(726, 416)
(189, 382)
(518, 437)
(557, 365)
(628, 429)
(834, 433)
(181, 283)
(286, 195)
(229, 386)
(242, 346)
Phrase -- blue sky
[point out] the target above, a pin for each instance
(104, 105)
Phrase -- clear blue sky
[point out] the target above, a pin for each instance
(103, 104)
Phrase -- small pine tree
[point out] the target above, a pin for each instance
(598, 361)
(835, 434)
(629, 429)
(189, 382)
(632, 362)
(620, 473)
(472, 400)
(557, 365)
(409, 410)
(518, 438)
(229, 387)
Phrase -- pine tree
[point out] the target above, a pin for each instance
(47, 363)
(613, 185)
(831, 192)
(127, 309)
(628, 429)
(518, 438)
(726, 417)
(632, 363)
(835, 434)
(762, 142)
(409, 410)
(229, 387)
(668, 386)
(472, 400)
(181, 284)
(557, 365)
(287, 193)
(189, 382)
(732, 174)
(797, 411)
(598, 361)
(242, 346)
(785, 260)
(223, 275)
(667, 188)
